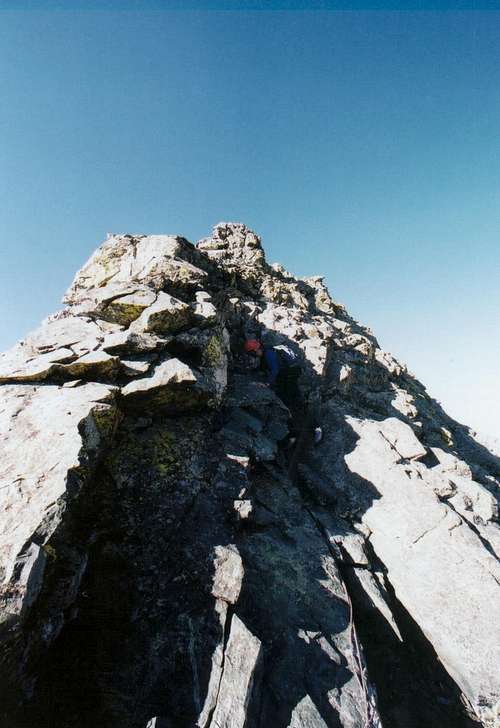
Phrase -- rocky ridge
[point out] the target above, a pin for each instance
(166, 562)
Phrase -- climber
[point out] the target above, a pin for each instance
(283, 373)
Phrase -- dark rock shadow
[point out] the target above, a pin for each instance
(300, 624)
(149, 525)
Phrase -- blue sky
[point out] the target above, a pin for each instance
(361, 145)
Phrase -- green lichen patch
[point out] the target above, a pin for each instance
(214, 351)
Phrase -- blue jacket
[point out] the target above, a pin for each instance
(273, 364)
(277, 359)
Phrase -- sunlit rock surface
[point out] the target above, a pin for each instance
(168, 560)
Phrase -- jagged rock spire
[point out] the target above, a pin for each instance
(233, 245)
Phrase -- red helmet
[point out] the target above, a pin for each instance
(252, 345)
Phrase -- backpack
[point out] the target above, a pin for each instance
(287, 357)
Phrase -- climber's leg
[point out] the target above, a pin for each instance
(287, 389)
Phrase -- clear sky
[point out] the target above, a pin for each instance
(361, 145)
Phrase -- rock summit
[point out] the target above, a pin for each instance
(167, 560)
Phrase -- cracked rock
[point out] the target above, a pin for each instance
(176, 552)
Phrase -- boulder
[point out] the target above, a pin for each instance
(115, 303)
(127, 342)
(153, 260)
(233, 244)
(166, 315)
(205, 313)
(172, 387)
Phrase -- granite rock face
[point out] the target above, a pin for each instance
(168, 559)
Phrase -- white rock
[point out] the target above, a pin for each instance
(345, 372)
(401, 439)
(14, 367)
(240, 662)
(133, 367)
(243, 508)
(404, 403)
(173, 386)
(438, 567)
(306, 715)
(54, 428)
(65, 331)
(449, 463)
(150, 259)
(125, 309)
(228, 575)
(132, 342)
(205, 313)
(166, 315)
(388, 362)
(118, 303)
